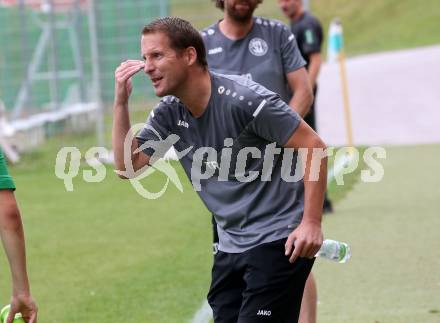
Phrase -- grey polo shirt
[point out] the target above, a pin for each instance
(243, 124)
(265, 55)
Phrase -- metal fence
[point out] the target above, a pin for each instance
(51, 49)
(57, 62)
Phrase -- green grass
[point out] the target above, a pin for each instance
(337, 192)
(392, 227)
(102, 252)
(372, 26)
(104, 249)
(379, 25)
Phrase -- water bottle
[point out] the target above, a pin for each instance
(5, 312)
(334, 250)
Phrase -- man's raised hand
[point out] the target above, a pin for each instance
(123, 84)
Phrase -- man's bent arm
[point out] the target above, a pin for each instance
(12, 236)
(125, 156)
(308, 236)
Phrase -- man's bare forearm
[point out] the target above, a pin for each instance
(315, 183)
(12, 235)
(13, 240)
(301, 101)
(121, 118)
(121, 130)
(299, 84)
(304, 139)
(307, 237)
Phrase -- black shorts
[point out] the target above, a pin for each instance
(258, 285)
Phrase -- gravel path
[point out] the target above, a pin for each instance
(394, 98)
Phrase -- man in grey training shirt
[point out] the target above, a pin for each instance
(265, 51)
(229, 133)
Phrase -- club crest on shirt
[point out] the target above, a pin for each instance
(258, 46)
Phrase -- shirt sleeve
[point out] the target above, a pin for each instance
(153, 136)
(312, 36)
(6, 181)
(274, 120)
(291, 56)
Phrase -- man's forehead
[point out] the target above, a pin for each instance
(154, 40)
(235, 1)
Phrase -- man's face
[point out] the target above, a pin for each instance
(165, 67)
(240, 10)
(289, 7)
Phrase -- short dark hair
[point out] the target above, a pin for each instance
(181, 35)
(221, 3)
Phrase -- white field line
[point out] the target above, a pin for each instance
(204, 313)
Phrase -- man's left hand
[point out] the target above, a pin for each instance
(304, 241)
